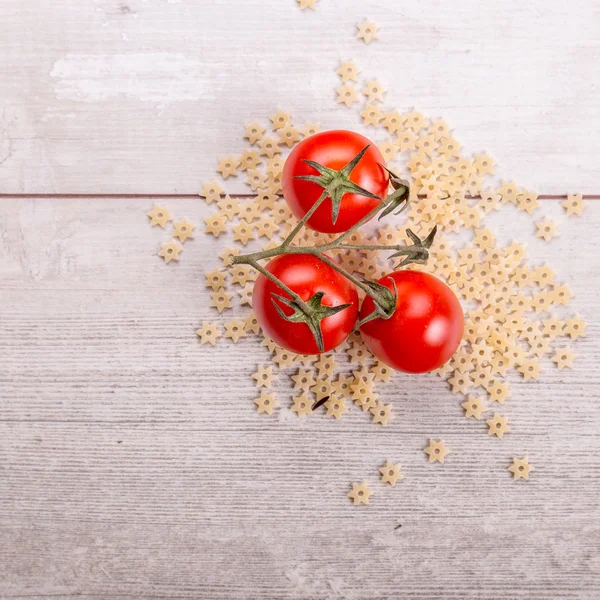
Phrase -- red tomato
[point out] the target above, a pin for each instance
(425, 329)
(306, 275)
(334, 149)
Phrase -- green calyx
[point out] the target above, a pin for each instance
(399, 198)
(418, 253)
(337, 183)
(311, 312)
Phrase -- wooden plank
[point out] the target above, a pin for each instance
(133, 463)
(141, 96)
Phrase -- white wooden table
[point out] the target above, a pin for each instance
(132, 461)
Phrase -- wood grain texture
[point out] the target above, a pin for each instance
(134, 465)
(141, 96)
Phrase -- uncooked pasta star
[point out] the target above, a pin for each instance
(367, 31)
(347, 94)
(304, 379)
(251, 324)
(546, 229)
(243, 232)
(530, 369)
(498, 390)
(325, 366)
(520, 468)
(220, 300)
(371, 114)
(527, 201)
(302, 405)
(266, 402)
(474, 407)
(498, 425)
(283, 358)
(245, 294)
(264, 376)
(360, 493)
(436, 451)
(184, 230)
(509, 192)
(348, 71)
(374, 91)
(310, 129)
(381, 372)
(393, 121)
(209, 333)
(280, 118)
(269, 146)
(253, 132)
(228, 166)
(574, 204)
(382, 413)
(322, 389)
(307, 4)
(159, 215)
(216, 280)
(390, 473)
(564, 358)
(336, 407)
(235, 330)
(560, 294)
(460, 383)
(484, 164)
(212, 191)
(288, 135)
(216, 224)
(170, 251)
(490, 200)
(574, 328)
(363, 395)
(249, 159)
(341, 386)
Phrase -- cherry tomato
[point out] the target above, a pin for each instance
(334, 149)
(425, 329)
(305, 275)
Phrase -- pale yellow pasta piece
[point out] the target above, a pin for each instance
(283, 358)
(256, 179)
(304, 379)
(216, 224)
(269, 344)
(347, 94)
(243, 232)
(474, 407)
(264, 376)
(484, 238)
(415, 121)
(388, 149)
(310, 129)
(227, 255)
(288, 135)
(439, 129)
(280, 119)
(209, 333)
(325, 366)
(390, 473)
(530, 369)
(520, 468)
(393, 121)
(245, 294)
(348, 71)
(228, 207)
(266, 402)
(367, 31)
(460, 382)
(381, 372)
(341, 386)
(254, 132)
(371, 115)
(374, 91)
(228, 166)
(221, 300)
(216, 280)
(564, 357)
(498, 426)
(574, 204)
(302, 405)
(527, 201)
(509, 192)
(498, 391)
(426, 144)
(499, 364)
(482, 376)
(358, 353)
(360, 493)
(484, 164)
(560, 294)
(336, 407)
(170, 251)
(251, 324)
(250, 159)
(322, 389)
(574, 328)
(490, 200)
(235, 330)
(450, 147)
(266, 227)
(159, 215)
(546, 229)
(269, 146)
(363, 395)
(381, 413)
(436, 450)
(406, 141)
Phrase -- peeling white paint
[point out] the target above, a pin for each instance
(150, 77)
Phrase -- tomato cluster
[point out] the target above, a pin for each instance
(422, 330)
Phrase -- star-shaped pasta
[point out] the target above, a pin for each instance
(159, 215)
(546, 229)
(490, 200)
(170, 251)
(498, 391)
(288, 135)
(390, 473)
(348, 71)
(307, 4)
(325, 366)
(266, 227)
(509, 192)
(406, 141)
(474, 407)
(460, 383)
(302, 405)
(250, 159)
(382, 413)
(310, 129)
(393, 121)
(484, 164)
(304, 379)
(235, 330)
(561, 294)
(374, 91)
(360, 493)
(371, 114)
(266, 402)
(283, 358)
(367, 31)
(221, 300)
(209, 333)
(212, 191)
(254, 132)
(269, 146)
(381, 372)
(341, 386)
(564, 357)
(216, 279)
(243, 232)
(520, 468)
(228, 166)
(530, 369)
(527, 201)
(363, 395)
(574, 328)
(264, 376)
(251, 324)
(216, 224)
(415, 121)
(498, 425)
(184, 230)
(321, 389)
(245, 294)
(347, 94)
(280, 118)
(336, 407)
(574, 204)
(436, 450)
(484, 238)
